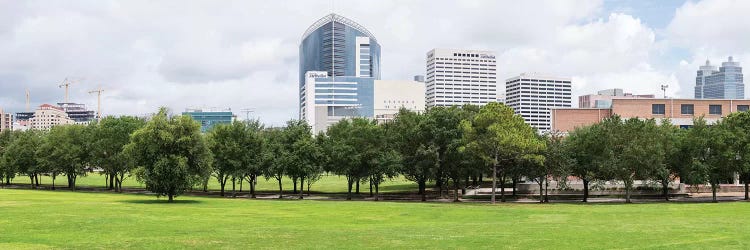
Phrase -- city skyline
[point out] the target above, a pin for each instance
(244, 54)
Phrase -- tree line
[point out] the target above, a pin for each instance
(448, 148)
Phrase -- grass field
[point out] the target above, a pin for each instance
(61, 219)
(327, 184)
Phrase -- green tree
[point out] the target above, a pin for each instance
(20, 156)
(556, 161)
(226, 142)
(669, 138)
(499, 136)
(65, 148)
(418, 156)
(253, 155)
(275, 157)
(171, 152)
(584, 147)
(711, 154)
(342, 153)
(7, 172)
(738, 125)
(109, 137)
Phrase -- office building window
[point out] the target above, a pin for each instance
(657, 109)
(743, 107)
(714, 109)
(686, 109)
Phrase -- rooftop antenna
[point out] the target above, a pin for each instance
(664, 89)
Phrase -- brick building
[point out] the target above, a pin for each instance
(680, 111)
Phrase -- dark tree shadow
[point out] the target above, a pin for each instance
(161, 201)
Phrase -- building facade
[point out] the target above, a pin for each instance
(48, 116)
(458, 77)
(603, 98)
(725, 83)
(78, 112)
(391, 96)
(6, 120)
(210, 118)
(679, 111)
(532, 96)
(339, 63)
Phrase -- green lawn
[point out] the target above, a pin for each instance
(76, 220)
(327, 184)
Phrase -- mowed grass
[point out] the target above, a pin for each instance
(78, 220)
(326, 184)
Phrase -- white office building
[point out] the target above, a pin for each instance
(391, 96)
(458, 77)
(532, 95)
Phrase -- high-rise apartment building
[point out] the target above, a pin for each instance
(532, 96)
(457, 77)
(6, 120)
(724, 83)
(339, 63)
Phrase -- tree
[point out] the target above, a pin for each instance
(586, 152)
(253, 155)
(275, 157)
(109, 137)
(499, 136)
(669, 138)
(7, 171)
(556, 161)
(65, 149)
(171, 153)
(226, 142)
(418, 156)
(20, 156)
(712, 158)
(302, 152)
(340, 147)
(738, 125)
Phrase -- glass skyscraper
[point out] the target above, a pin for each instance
(339, 62)
(724, 83)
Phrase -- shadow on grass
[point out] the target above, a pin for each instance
(161, 201)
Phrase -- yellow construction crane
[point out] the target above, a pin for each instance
(98, 102)
(66, 83)
(28, 106)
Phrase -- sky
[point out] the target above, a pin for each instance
(244, 54)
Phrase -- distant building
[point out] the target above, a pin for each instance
(391, 96)
(458, 77)
(77, 112)
(724, 83)
(6, 121)
(680, 112)
(339, 63)
(603, 98)
(532, 96)
(210, 118)
(419, 78)
(47, 116)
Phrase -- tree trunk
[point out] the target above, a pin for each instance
(53, 181)
(111, 181)
(294, 181)
(546, 190)
(665, 189)
(474, 180)
(585, 190)
(36, 179)
(455, 191)
(422, 191)
(514, 187)
(370, 187)
(746, 190)
(357, 185)
(222, 183)
(31, 181)
(627, 192)
(281, 192)
(541, 190)
(502, 185)
(234, 185)
(301, 187)
(377, 191)
(242, 180)
(117, 181)
(252, 186)
(171, 197)
(349, 184)
(494, 182)
(713, 192)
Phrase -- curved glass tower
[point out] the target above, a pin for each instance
(339, 60)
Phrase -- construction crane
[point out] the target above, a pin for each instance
(98, 102)
(66, 83)
(28, 106)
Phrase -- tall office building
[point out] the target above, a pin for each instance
(724, 83)
(339, 63)
(392, 96)
(533, 95)
(209, 118)
(457, 77)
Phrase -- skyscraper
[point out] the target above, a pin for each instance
(533, 95)
(725, 83)
(457, 77)
(339, 62)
